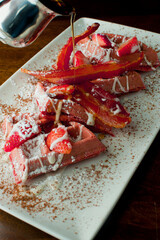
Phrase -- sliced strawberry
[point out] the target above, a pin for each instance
(102, 40)
(91, 50)
(58, 140)
(44, 102)
(128, 47)
(64, 54)
(20, 133)
(63, 147)
(80, 59)
(116, 38)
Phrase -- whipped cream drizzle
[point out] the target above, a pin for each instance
(97, 52)
(107, 57)
(60, 139)
(117, 82)
(58, 111)
(31, 153)
(91, 119)
(116, 110)
(148, 62)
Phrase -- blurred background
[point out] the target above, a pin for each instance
(108, 8)
(114, 10)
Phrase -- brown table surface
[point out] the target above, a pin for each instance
(137, 214)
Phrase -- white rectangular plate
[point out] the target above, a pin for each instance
(89, 189)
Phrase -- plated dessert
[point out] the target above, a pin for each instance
(64, 202)
(74, 99)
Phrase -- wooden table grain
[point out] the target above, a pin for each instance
(137, 214)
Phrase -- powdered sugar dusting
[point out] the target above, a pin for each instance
(25, 128)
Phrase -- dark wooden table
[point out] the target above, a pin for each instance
(137, 214)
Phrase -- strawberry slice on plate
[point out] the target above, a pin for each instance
(102, 40)
(91, 50)
(64, 55)
(44, 102)
(20, 133)
(80, 59)
(58, 140)
(128, 47)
